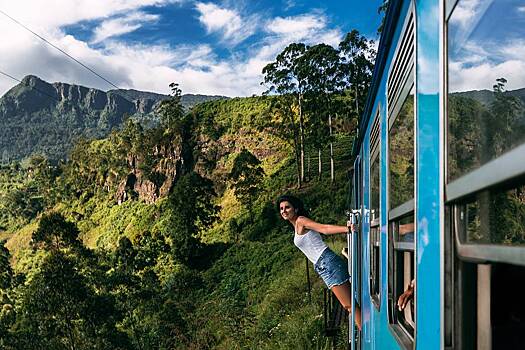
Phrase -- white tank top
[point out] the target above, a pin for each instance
(311, 244)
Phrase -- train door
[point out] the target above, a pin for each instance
(354, 246)
(485, 175)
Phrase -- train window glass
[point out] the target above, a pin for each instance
(495, 216)
(374, 190)
(486, 99)
(486, 173)
(375, 243)
(401, 218)
(375, 265)
(401, 261)
(401, 154)
(400, 182)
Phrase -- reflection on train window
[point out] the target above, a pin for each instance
(486, 214)
(486, 100)
(375, 242)
(401, 154)
(493, 217)
(374, 189)
(403, 274)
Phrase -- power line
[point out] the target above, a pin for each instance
(59, 49)
(29, 86)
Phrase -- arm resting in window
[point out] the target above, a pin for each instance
(406, 296)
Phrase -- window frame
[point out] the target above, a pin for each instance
(404, 336)
(375, 223)
(502, 171)
(464, 263)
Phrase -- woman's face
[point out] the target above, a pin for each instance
(287, 210)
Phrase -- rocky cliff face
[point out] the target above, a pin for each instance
(40, 117)
(137, 185)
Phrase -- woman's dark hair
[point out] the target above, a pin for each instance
(295, 202)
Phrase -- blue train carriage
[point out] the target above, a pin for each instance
(439, 180)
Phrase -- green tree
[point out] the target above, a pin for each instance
(189, 209)
(246, 174)
(60, 311)
(382, 10)
(23, 202)
(286, 77)
(322, 69)
(6, 271)
(55, 232)
(357, 65)
(171, 110)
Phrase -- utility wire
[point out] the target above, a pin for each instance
(29, 86)
(59, 49)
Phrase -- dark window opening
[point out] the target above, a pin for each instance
(375, 266)
(403, 273)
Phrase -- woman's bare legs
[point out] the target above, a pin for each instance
(343, 294)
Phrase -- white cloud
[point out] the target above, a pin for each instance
(122, 25)
(296, 25)
(226, 22)
(146, 66)
(521, 9)
(484, 76)
(310, 29)
(289, 4)
(479, 66)
(45, 15)
(466, 16)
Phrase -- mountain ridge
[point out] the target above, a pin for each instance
(41, 117)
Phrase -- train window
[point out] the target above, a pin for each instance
(494, 216)
(401, 218)
(375, 237)
(486, 129)
(401, 140)
(401, 154)
(485, 191)
(486, 100)
(402, 274)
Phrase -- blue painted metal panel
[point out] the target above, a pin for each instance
(366, 305)
(384, 337)
(376, 331)
(428, 242)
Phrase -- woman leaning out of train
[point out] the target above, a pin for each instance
(330, 266)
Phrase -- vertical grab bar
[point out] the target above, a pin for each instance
(352, 291)
(354, 219)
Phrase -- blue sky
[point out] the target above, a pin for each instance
(209, 47)
(483, 47)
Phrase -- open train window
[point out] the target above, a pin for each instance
(375, 235)
(401, 218)
(485, 190)
(401, 181)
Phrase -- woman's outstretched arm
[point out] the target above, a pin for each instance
(309, 224)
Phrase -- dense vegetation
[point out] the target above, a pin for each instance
(167, 237)
(209, 265)
(483, 126)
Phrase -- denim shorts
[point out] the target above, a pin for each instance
(332, 268)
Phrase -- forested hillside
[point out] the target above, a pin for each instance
(44, 118)
(167, 236)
